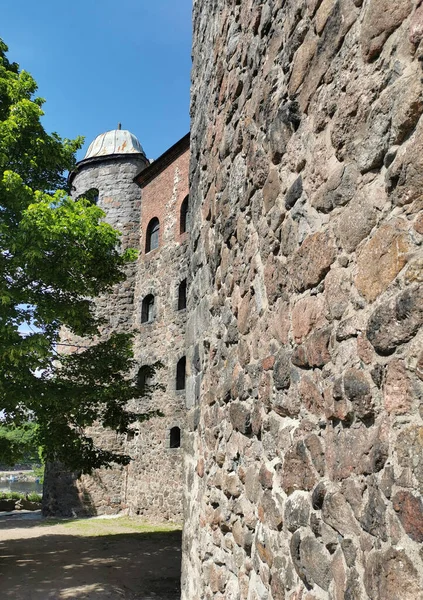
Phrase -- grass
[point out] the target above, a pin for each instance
(32, 497)
(10, 496)
(97, 526)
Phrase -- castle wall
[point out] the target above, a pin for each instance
(119, 196)
(304, 471)
(153, 485)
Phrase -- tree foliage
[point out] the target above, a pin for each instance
(19, 444)
(56, 256)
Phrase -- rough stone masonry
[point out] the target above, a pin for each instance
(305, 465)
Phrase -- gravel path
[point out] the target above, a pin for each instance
(90, 559)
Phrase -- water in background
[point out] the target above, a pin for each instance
(23, 487)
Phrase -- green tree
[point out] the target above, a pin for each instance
(56, 256)
(19, 444)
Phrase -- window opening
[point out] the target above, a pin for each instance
(92, 195)
(152, 237)
(180, 373)
(144, 377)
(182, 295)
(147, 309)
(183, 221)
(175, 438)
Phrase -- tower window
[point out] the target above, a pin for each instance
(92, 195)
(180, 373)
(175, 438)
(147, 310)
(182, 295)
(183, 221)
(152, 237)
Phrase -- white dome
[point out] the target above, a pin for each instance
(117, 141)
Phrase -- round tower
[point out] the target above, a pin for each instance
(106, 176)
(108, 169)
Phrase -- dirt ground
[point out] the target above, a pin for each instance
(89, 559)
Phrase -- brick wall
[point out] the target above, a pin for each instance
(162, 198)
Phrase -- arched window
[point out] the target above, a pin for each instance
(144, 377)
(152, 237)
(175, 438)
(92, 195)
(183, 220)
(182, 295)
(180, 373)
(147, 309)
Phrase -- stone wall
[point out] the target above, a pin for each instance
(153, 485)
(304, 470)
(120, 198)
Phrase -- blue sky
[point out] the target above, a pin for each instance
(100, 62)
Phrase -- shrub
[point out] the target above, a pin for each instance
(32, 497)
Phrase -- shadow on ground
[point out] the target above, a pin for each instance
(21, 520)
(130, 566)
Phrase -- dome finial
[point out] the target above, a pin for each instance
(119, 126)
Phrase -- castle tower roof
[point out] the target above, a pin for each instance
(117, 141)
(117, 144)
